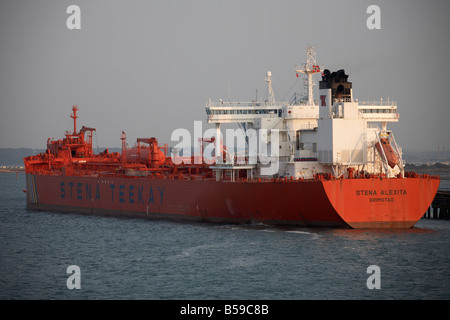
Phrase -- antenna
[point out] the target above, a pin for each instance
(228, 88)
(310, 68)
(270, 96)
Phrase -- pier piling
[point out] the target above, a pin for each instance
(440, 207)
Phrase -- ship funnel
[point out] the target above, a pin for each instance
(339, 92)
(333, 88)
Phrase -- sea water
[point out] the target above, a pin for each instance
(152, 259)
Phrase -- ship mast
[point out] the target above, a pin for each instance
(123, 137)
(310, 68)
(74, 117)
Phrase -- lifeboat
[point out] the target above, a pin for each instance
(386, 148)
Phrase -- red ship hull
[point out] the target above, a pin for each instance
(348, 203)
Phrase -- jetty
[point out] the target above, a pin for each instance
(440, 207)
(12, 169)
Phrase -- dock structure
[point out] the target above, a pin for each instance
(440, 207)
(12, 169)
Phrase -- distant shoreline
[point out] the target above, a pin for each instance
(5, 170)
(435, 168)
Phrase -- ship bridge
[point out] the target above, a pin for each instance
(371, 111)
(238, 112)
(378, 111)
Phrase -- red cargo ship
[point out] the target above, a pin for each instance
(330, 168)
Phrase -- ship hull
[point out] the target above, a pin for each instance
(346, 203)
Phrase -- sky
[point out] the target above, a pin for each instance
(149, 67)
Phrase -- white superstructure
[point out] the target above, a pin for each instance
(336, 135)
